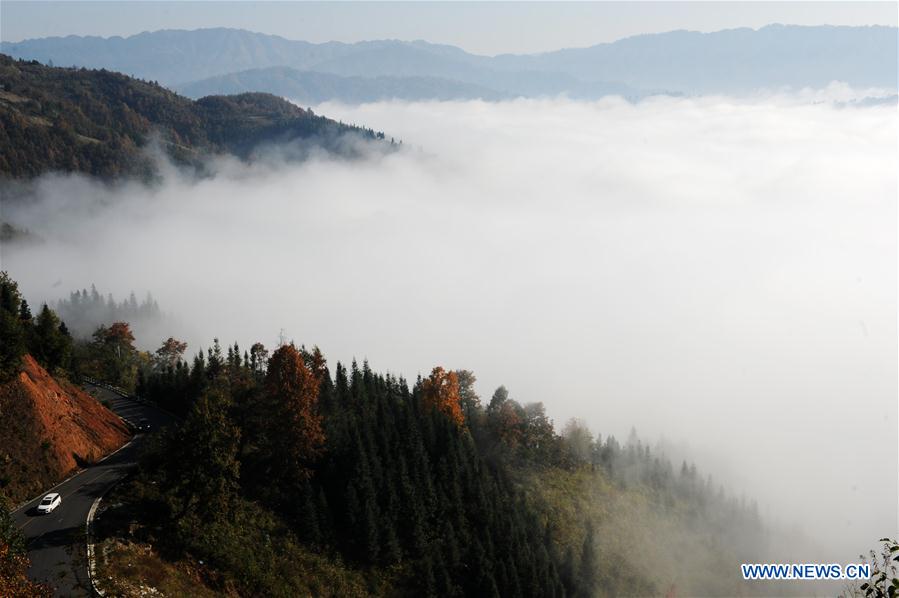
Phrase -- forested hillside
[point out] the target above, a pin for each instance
(377, 486)
(98, 122)
(285, 477)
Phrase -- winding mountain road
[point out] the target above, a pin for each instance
(56, 542)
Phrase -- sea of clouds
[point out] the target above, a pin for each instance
(717, 272)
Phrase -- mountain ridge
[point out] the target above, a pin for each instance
(312, 87)
(426, 43)
(99, 122)
(741, 60)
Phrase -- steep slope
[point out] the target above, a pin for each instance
(49, 428)
(98, 122)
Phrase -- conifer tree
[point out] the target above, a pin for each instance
(500, 396)
(50, 346)
(587, 570)
(12, 327)
(25, 311)
(203, 471)
(468, 398)
(568, 573)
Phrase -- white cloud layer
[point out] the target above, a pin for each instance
(718, 272)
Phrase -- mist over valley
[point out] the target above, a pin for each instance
(652, 320)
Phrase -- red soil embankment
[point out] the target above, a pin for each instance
(48, 429)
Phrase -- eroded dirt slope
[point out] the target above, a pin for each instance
(49, 428)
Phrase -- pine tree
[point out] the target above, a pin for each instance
(308, 518)
(12, 328)
(468, 398)
(428, 579)
(203, 470)
(50, 346)
(587, 576)
(24, 311)
(500, 396)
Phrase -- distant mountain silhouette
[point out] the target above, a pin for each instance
(733, 60)
(310, 87)
(730, 61)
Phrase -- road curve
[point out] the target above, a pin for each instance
(56, 542)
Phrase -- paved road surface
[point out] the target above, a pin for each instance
(56, 542)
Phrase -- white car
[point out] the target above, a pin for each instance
(49, 503)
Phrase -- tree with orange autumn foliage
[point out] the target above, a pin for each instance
(118, 334)
(169, 354)
(441, 391)
(14, 576)
(13, 562)
(295, 437)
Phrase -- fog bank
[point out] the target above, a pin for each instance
(718, 272)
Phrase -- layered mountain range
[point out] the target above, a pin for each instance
(217, 61)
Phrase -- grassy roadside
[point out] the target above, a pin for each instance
(127, 565)
(126, 568)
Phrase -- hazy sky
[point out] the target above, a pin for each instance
(480, 27)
